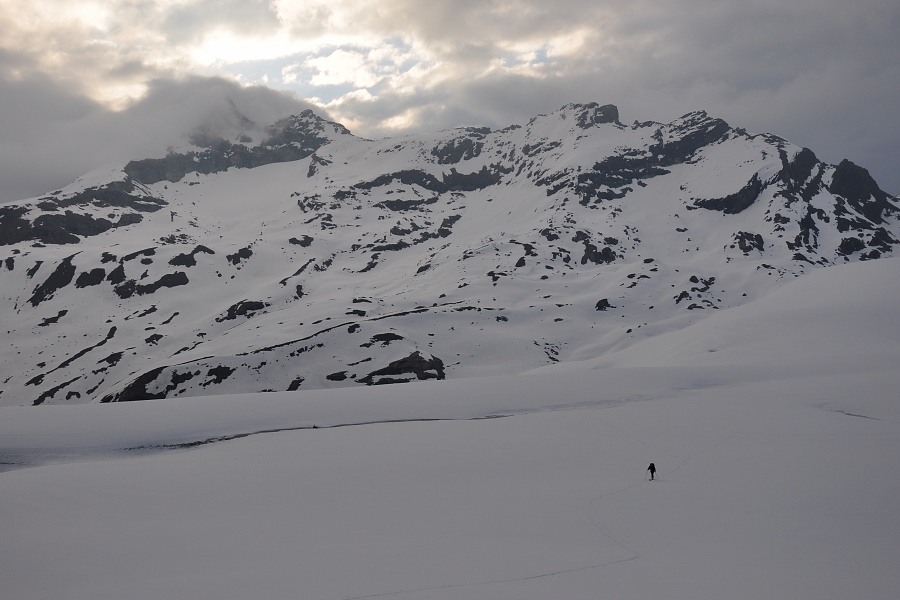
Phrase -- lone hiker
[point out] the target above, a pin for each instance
(652, 469)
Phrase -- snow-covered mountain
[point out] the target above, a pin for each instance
(315, 258)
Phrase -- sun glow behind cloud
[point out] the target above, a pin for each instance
(330, 50)
(345, 56)
(224, 47)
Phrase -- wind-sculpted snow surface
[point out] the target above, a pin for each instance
(318, 259)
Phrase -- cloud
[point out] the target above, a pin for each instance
(340, 67)
(48, 136)
(189, 22)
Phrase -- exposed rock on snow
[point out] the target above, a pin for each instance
(291, 263)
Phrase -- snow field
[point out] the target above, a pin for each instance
(762, 493)
(776, 458)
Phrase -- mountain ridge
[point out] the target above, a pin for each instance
(320, 259)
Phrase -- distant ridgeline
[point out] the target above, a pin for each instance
(319, 259)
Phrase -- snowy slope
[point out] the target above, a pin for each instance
(317, 259)
(775, 456)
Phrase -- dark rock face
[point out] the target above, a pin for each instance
(48, 228)
(598, 257)
(303, 242)
(138, 389)
(237, 257)
(450, 182)
(52, 391)
(189, 260)
(65, 228)
(60, 278)
(850, 245)
(862, 193)
(160, 382)
(469, 182)
(611, 178)
(218, 158)
(117, 275)
(808, 237)
(414, 364)
(603, 305)
(53, 320)
(736, 202)
(244, 308)
(406, 205)
(748, 242)
(406, 177)
(798, 171)
(130, 287)
(147, 252)
(218, 375)
(462, 149)
(382, 338)
(69, 226)
(291, 139)
(593, 114)
(92, 277)
(698, 131)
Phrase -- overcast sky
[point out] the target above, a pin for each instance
(86, 83)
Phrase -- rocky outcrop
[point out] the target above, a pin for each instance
(403, 370)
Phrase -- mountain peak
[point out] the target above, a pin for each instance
(293, 138)
(699, 119)
(591, 114)
(301, 126)
(360, 262)
(862, 192)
